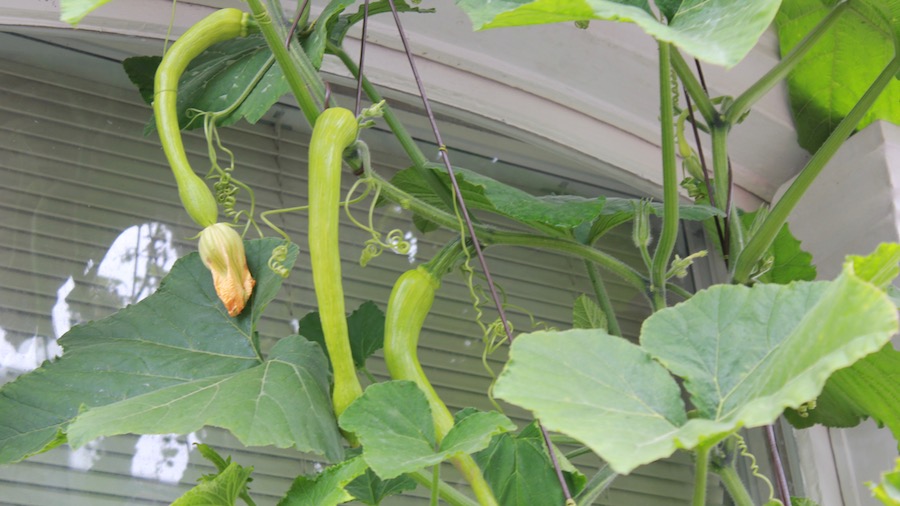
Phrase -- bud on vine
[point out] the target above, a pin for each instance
(222, 251)
(640, 233)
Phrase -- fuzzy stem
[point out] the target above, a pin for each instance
(701, 470)
(762, 239)
(603, 298)
(297, 68)
(669, 232)
(695, 89)
(746, 100)
(449, 494)
(597, 485)
(734, 485)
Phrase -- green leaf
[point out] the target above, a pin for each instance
(393, 422)
(326, 488)
(423, 225)
(562, 212)
(223, 490)
(141, 71)
(369, 489)
(282, 402)
(180, 334)
(338, 28)
(789, 262)
(586, 314)
(519, 470)
(668, 7)
(745, 354)
(597, 388)
(221, 464)
(73, 11)
(880, 268)
(836, 72)
(217, 79)
(721, 32)
(365, 326)
(314, 44)
(888, 491)
(868, 388)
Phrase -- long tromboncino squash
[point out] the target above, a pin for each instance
(334, 131)
(409, 304)
(219, 26)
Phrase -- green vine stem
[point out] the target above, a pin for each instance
(734, 485)
(301, 76)
(492, 236)
(669, 233)
(695, 89)
(745, 101)
(597, 485)
(762, 239)
(418, 158)
(701, 472)
(603, 298)
(449, 494)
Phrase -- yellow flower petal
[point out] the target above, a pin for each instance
(222, 251)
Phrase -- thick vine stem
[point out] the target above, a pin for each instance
(762, 239)
(304, 81)
(734, 485)
(669, 233)
(701, 472)
(695, 89)
(449, 494)
(603, 298)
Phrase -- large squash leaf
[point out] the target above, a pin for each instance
(181, 335)
(839, 69)
(718, 31)
(222, 490)
(327, 488)
(282, 402)
(745, 354)
(868, 388)
(520, 472)
(393, 422)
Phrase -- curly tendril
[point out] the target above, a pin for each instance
(277, 259)
(754, 468)
(395, 239)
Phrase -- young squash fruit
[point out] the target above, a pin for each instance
(222, 25)
(221, 248)
(335, 130)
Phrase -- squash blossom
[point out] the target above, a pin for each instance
(222, 250)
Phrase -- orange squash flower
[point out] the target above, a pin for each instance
(222, 251)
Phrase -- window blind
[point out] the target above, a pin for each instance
(90, 221)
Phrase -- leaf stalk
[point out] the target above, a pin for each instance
(762, 239)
